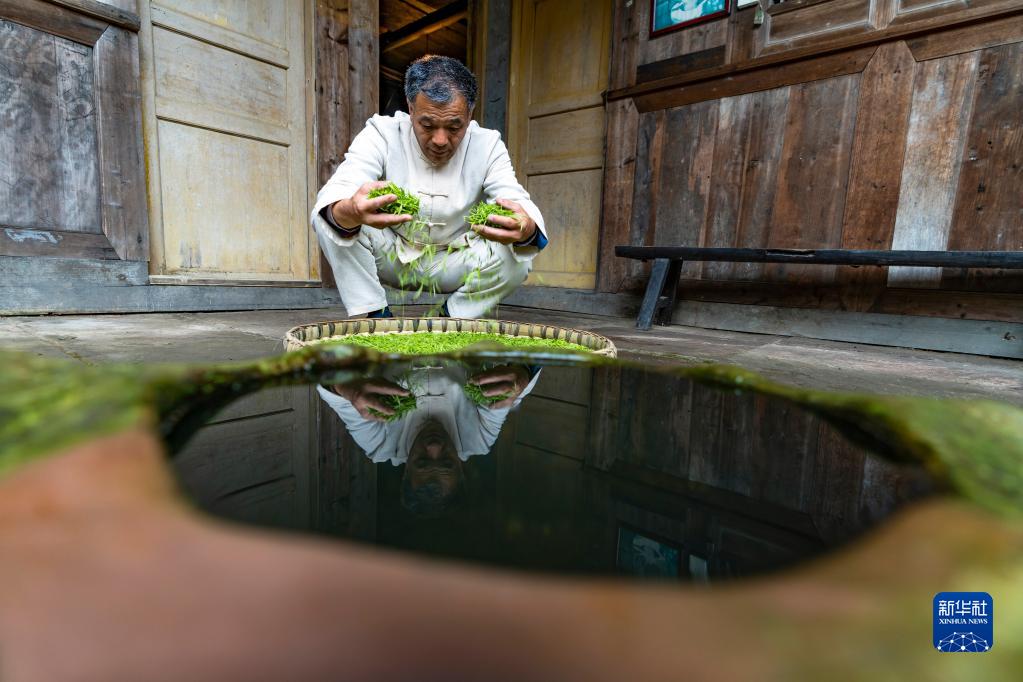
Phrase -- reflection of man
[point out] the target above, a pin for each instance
(450, 163)
(436, 438)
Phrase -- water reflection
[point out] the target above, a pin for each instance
(431, 419)
(576, 470)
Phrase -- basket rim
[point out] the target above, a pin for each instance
(290, 334)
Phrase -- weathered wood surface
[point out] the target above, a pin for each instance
(122, 13)
(991, 259)
(869, 161)
(750, 136)
(967, 39)
(70, 272)
(649, 148)
(121, 159)
(794, 24)
(703, 59)
(834, 296)
(989, 198)
(827, 67)
(998, 339)
(29, 295)
(619, 177)
(813, 172)
(48, 164)
(54, 20)
(685, 176)
(496, 76)
(879, 146)
(557, 125)
(942, 105)
(16, 241)
(333, 121)
(363, 51)
(231, 117)
(919, 26)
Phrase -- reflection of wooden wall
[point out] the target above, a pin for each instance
(759, 457)
(253, 462)
(836, 124)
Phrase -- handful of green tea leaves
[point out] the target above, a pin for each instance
(481, 211)
(476, 395)
(406, 203)
(401, 404)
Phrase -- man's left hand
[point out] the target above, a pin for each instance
(508, 229)
(507, 380)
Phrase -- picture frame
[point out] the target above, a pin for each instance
(671, 15)
(643, 554)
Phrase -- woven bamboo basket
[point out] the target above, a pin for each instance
(305, 334)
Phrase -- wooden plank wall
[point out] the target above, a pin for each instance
(755, 455)
(896, 126)
(347, 62)
(72, 180)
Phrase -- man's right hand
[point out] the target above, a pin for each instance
(361, 210)
(367, 396)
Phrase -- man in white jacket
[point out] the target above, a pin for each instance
(450, 163)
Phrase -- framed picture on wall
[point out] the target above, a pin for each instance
(671, 15)
(642, 554)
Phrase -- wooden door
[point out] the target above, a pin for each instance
(71, 175)
(229, 138)
(556, 127)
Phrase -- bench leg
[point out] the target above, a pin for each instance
(654, 298)
(669, 292)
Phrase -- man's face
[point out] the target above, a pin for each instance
(439, 128)
(433, 458)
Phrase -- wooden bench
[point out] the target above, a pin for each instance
(662, 289)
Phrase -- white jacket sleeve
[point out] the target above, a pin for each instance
(491, 420)
(364, 162)
(501, 183)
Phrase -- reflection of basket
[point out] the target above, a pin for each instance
(307, 333)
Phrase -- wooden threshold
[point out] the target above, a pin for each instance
(184, 280)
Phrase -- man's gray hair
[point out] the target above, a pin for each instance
(440, 79)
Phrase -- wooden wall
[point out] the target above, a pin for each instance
(347, 67)
(835, 124)
(72, 182)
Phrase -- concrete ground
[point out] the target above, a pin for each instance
(201, 337)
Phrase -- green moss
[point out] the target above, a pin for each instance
(481, 211)
(973, 447)
(406, 203)
(430, 343)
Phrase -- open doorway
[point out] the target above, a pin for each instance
(408, 30)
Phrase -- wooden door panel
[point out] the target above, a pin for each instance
(217, 84)
(559, 71)
(231, 135)
(48, 165)
(262, 20)
(569, 45)
(573, 140)
(219, 217)
(571, 203)
(71, 166)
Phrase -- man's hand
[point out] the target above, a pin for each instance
(361, 210)
(366, 395)
(507, 380)
(508, 229)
